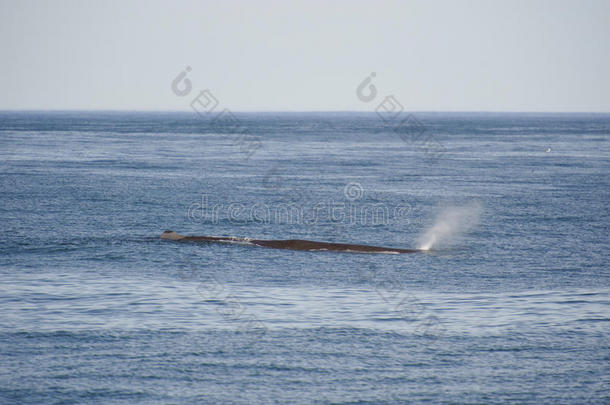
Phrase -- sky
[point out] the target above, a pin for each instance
(539, 56)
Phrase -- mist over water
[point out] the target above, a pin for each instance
(450, 224)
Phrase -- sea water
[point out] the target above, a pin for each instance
(509, 304)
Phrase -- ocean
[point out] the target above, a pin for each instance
(509, 304)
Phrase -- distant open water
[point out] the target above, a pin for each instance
(96, 309)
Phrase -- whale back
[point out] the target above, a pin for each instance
(292, 244)
(171, 235)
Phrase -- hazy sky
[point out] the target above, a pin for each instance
(306, 55)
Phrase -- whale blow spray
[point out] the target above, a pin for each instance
(450, 223)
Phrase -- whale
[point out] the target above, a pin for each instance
(288, 244)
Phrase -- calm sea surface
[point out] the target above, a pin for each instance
(511, 305)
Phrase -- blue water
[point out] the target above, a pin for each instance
(95, 308)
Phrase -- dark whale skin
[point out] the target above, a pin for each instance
(290, 244)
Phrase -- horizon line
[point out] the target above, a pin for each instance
(306, 111)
